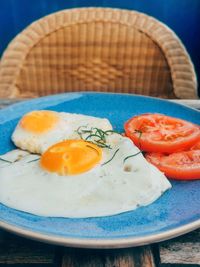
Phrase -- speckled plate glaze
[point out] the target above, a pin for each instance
(175, 213)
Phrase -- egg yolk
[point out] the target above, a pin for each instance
(71, 157)
(39, 121)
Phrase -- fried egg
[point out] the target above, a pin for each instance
(39, 129)
(79, 179)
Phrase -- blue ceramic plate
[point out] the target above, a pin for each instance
(175, 213)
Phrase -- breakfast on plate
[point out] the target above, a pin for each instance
(77, 166)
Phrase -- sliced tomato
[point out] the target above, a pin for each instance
(161, 133)
(183, 165)
(196, 146)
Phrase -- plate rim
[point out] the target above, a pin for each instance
(99, 242)
(48, 97)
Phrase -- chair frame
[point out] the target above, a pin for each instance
(183, 75)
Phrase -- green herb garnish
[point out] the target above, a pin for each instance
(17, 160)
(81, 132)
(133, 155)
(139, 136)
(33, 160)
(98, 135)
(93, 148)
(5, 160)
(111, 158)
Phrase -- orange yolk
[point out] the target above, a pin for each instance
(39, 121)
(71, 157)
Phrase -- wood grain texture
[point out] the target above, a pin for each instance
(131, 257)
(15, 250)
(181, 251)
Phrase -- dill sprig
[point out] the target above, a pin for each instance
(91, 147)
(138, 131)
(133, 155)
(4, 160)
(139, 136)
(17, 160)
(81, 131)
(110, 158)
(33, 160)
(95, 135)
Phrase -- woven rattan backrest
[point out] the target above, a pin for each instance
(95, 49)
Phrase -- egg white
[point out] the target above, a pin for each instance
(65, 128)
(112, 187)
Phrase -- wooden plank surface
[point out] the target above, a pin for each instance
(19, 251)
(131, 257)
(15, 250)
(182, 251)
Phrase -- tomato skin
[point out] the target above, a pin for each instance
(161, 133)
(179, 166)
(196, 146)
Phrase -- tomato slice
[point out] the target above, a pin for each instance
(161, 133)
(183, 165)
(196, 146)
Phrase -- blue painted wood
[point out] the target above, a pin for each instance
(182, 16)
